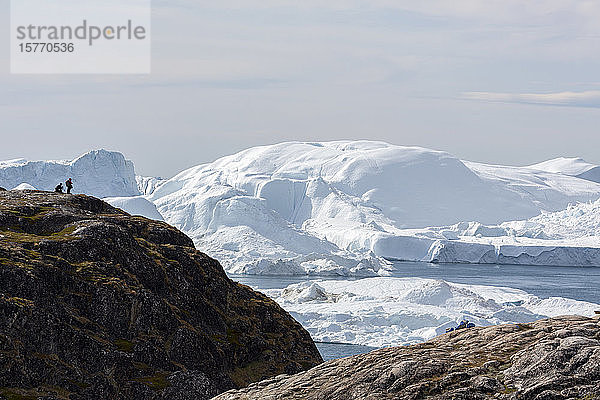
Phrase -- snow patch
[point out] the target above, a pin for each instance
(137, 205)
(24, 186)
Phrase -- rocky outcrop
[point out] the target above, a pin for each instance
(96, 304)
(549, 359)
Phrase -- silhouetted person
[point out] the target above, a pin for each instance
(69, 184)
(59, 188)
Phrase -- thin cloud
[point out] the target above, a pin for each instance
(590, 98)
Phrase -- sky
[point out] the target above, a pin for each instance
(497, 81)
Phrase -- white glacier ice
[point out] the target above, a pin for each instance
(570, 237)
(386, 311)
(337, 207)
(99, 173)
(575, 222)
(571, 166)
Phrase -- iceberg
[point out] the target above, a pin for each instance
(342, 208)
(99, 173)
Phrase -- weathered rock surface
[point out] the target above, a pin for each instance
(96, 304)
(549, 359)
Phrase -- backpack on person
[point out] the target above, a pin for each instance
(69, 184)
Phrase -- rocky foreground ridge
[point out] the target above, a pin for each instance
(97, 304)
(549, 359)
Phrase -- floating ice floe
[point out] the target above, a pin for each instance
(398, 311)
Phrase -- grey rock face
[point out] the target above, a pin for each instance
(96, 304)
(549, 359)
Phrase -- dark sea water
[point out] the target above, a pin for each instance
(579, 283)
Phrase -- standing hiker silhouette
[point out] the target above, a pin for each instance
(69, 184)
